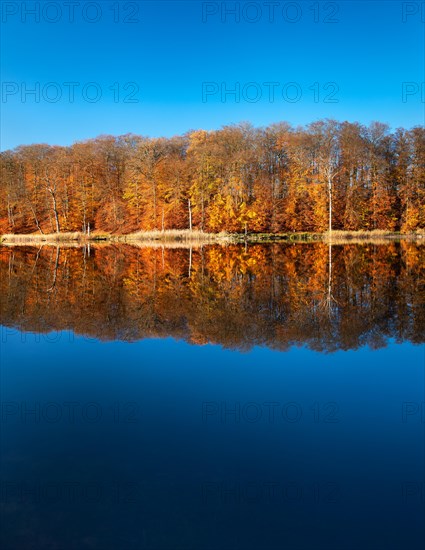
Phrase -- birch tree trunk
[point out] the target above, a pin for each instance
(189, 204)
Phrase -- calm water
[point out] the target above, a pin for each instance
(224, 398)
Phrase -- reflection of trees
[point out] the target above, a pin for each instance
(55, 270)
(329, 304)
(325, 296)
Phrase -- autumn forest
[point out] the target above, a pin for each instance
(238, 178)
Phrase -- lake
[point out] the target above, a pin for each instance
(266, 396)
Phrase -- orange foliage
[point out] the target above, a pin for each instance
(236, 179)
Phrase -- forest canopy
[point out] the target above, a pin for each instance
(273, 179)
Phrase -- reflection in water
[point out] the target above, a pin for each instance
(327, 297)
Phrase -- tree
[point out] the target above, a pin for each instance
(325, 176)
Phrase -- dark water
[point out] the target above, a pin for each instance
(223, 398)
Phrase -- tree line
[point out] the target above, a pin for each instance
(239, 178)
(276, 295)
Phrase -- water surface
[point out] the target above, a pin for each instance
(218, 398)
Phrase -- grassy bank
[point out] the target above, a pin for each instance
(170, 236)
(376, 235)
(47, 238)
(197, 238)
(174, 236)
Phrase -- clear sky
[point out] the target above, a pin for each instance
(164, 67)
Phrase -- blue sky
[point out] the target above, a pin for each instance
(169, 69)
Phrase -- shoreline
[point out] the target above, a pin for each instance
(199, 238)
